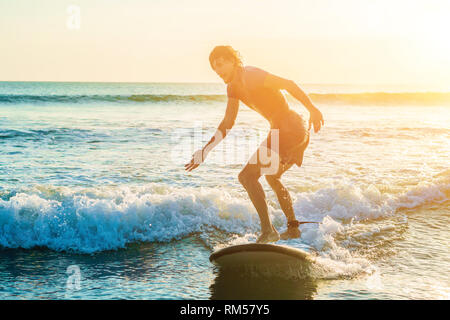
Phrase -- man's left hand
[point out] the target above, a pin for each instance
(197, 158)
(316, 119)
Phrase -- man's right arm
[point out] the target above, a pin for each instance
(226, 124)
(278, 83)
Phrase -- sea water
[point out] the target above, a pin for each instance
(95, 202)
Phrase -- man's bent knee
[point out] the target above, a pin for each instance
(247, 176)
(273, 180)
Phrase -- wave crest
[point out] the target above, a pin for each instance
(96, 219)
(81, 99)
(365, 98)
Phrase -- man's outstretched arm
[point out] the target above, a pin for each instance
(226, 124)
(290, 86)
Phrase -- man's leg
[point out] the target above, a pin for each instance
(285, 201)
(282, 193)
(249, 177)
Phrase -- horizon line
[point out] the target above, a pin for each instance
(214, 82)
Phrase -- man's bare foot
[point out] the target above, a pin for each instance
(292, 231)
(271, 236)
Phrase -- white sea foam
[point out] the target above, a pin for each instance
(88, 220)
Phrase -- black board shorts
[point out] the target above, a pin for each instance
(293, 137)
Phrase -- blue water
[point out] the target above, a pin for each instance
(92, 188)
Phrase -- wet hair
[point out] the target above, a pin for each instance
(227, 52)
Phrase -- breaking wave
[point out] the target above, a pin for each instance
(366, 98)
(88, 220)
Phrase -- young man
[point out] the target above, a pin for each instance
(286, 141)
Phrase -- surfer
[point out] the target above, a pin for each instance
(285, 143)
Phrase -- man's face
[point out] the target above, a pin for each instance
(224, 69)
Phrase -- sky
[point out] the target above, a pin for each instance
(320, 41)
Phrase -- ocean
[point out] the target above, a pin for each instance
(95, 202)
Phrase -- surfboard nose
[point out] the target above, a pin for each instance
(257, 253)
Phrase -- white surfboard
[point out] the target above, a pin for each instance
(259, 254)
